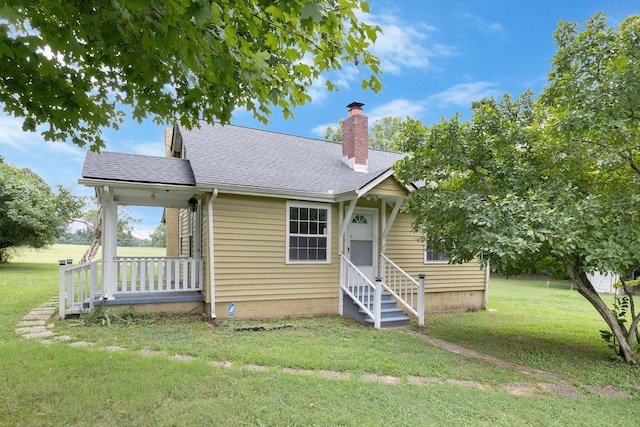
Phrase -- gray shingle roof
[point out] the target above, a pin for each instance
(251, 158)
(137, 168)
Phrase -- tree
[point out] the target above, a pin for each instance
(72, 66)
(558, 177)
(31, 214)
(383, 135)
(159, 236)
(92, 220)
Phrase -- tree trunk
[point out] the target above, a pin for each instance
(96, 232)
(585, 288)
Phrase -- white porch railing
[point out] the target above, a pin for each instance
(404, 288)
(81, 286)
(359, 288)
(158, 274)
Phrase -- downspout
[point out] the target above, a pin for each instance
(212, 281)
(486, 283)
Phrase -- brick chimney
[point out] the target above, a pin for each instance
(355, 138)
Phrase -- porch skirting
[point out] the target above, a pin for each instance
(154, 303)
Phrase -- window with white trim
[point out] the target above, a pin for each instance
(432, 256)
(308, 232)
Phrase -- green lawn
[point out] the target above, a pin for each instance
(550, 328)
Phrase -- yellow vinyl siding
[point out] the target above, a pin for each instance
(171, 221)
(250, 255)
(389, 187)
(404, 249)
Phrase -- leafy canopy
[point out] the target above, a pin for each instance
(30, 213)
(72, 66)
(383, 134)
(557, 178)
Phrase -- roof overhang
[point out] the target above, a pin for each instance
(146, 194)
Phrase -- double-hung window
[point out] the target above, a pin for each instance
(308, 232)
(432, 256)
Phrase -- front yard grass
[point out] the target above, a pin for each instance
(543, 327)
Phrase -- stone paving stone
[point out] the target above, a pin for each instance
(421, 380)
(42, 334)
(298, 371)
(36, 316)
(520, 389)
(466, 383)
(32, 323)
(561, 390)
(81, 344)
(30, 330)
(387, 379)
(608, 391)
(49, 311)
(256, 368)
(334, 374)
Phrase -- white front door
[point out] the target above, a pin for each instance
(362, 242)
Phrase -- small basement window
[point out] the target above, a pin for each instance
(308, 232)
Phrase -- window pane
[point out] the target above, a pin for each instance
(322, 254)
(313, 214)
(322, 242)
(293, 254)
(293, 213)
(304, 213)
(293, 227)
(313, 242)
(313, 228)
(313, 254)
(322, 228)
(304, 228)
(302, 254)
(322, 215)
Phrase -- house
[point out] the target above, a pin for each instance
(267, 225)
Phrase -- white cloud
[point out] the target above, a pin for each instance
(396, 108)
(405, 45)
(153, 148)
(319, 129)
(463, 94)
(481, 24)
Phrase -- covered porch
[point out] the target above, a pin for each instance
(176, 282)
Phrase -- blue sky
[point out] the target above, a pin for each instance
(437, 57)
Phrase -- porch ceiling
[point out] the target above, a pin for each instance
(145, 194)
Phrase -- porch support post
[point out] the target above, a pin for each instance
(377, 303)
(421, 299)
(109, 243)
(62, 305)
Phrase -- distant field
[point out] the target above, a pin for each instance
(75, 252)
